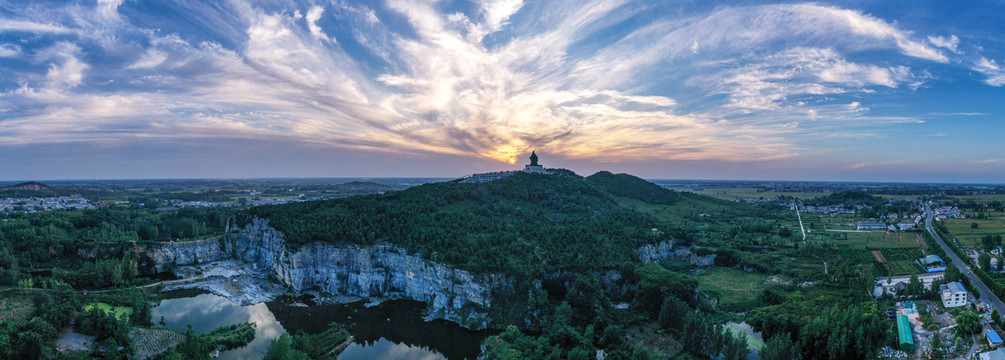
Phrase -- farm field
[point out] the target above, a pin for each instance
(897, 251)
(736, 289)
(981, 197)
(968, 236)
(752, 193)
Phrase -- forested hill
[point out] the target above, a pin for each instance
(632, 187)
(524, 223)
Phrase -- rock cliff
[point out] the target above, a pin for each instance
(379, 271)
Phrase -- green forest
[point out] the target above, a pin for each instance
(554, 235)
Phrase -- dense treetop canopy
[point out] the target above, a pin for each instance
(519, 223)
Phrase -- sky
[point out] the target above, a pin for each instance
(757, 90)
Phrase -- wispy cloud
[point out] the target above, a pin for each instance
(493, 80)
(949, 42)
(990, 68)
(9, 50)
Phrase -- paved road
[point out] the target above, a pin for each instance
(986, 295)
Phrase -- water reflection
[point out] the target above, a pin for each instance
(391, 330)
(754, 339)
(206, 312)
(395, 322)
(387, 350)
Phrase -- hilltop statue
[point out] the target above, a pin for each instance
(534, 167)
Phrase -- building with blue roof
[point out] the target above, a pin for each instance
(932, 263)
(993, 339)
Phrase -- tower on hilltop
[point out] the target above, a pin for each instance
(533, 158)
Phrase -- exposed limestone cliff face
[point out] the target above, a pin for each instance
(655, 253)
(381, 271)
(187, 253)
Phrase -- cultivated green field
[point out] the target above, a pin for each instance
(900, 250)
(982, 198)
(749, 193)
(120, 312)
(968, 236)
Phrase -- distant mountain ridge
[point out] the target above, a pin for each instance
(26, 186)
(362, 185)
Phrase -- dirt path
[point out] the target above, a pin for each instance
(879, 256)
(924, 248)
(86, 292)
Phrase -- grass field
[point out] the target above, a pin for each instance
(960, 228)
(752, 193)
(119, 311)
(982, 197)
(737, 290)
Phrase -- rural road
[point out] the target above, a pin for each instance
(985, 293)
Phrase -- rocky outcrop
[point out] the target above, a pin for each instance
(654, 253)
(379, 271)
(186, 253)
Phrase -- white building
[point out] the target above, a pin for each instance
(953, 294)
(992, 355)
(907, 226)
(890, 285)
(870, 225)
(533, 168)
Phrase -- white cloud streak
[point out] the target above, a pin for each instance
(10, 50)
(949, 42)
(446, 89)
(313, 15)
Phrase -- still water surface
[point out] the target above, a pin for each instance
(391, 330)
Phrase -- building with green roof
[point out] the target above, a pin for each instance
(904, 332)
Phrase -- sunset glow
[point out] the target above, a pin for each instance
(749, 91)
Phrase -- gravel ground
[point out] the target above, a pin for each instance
(230, 279)
(73, 341)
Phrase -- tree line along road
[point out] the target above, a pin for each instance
(985, 293)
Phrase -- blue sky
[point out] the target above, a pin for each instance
(851, 90)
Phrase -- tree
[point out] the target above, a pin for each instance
(990, 241)
(984, 260)
(967, 322)
(656, 283)
(843, 333)
(280, 349)
(780, 347)
(974, 225)
(33, 341)
(10, 272)
(914, 286)
(672, 313)
(194, 346)
(141, 309)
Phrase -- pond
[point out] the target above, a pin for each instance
(754, 339)
(390, 330)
